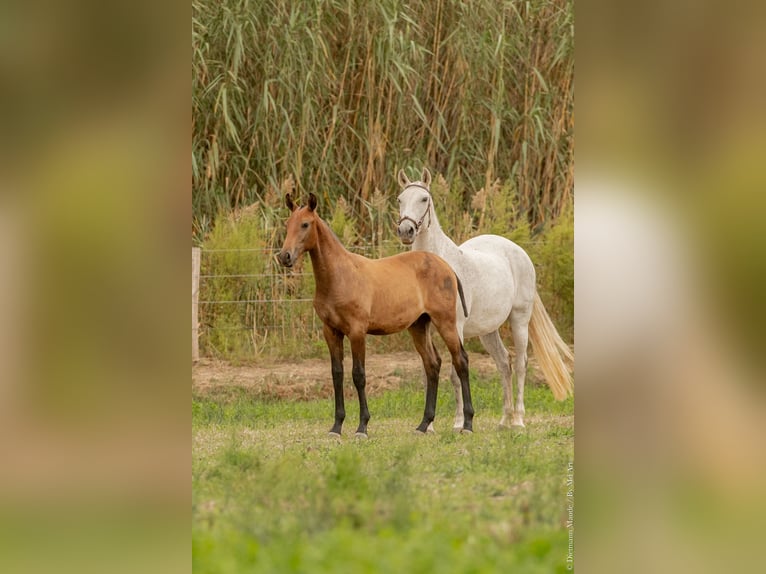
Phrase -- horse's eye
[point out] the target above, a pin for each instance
(305, 225)
(424, 200)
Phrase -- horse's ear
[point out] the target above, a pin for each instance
(426, 177)
(289, 202)
(404, 181)
(312, 202)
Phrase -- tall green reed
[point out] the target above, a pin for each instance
(341, 94)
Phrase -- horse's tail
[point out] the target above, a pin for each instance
(462, 295)
(553, 354)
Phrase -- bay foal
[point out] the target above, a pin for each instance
(356, 296)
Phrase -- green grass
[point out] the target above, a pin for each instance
(273, 493)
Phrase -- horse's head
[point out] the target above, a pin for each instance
(301, 230)
(414, 206)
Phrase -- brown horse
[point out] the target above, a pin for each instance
(356, 296)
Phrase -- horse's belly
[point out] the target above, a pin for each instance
(490, 308)
(477, 326)
(391, 322)
(380, 319)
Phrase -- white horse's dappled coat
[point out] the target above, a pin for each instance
(499, 283)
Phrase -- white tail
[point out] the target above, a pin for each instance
(553, 355)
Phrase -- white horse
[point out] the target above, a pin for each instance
(498, 280)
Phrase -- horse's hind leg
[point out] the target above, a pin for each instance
(520, 330)
(449, 333)
(496, 348)
(431, 365)
(358, 349)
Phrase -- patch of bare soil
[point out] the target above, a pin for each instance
(310, 378)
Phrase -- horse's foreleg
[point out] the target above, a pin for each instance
(334, 341)
(360, 381)
(435, 354)
(457, 386)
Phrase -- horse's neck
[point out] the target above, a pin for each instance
(328, 255)
(434, 240)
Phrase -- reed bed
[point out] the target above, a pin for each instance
(341, 94)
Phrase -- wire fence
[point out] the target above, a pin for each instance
(245, 304)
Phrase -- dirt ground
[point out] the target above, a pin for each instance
(309, 379)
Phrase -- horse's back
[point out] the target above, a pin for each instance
(422, 263)
(416, 271)
(521, 265)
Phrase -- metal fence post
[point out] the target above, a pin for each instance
(195, 302)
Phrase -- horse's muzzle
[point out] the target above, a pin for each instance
(286, 258)
(406, 232)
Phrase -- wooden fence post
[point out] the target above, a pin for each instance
(195, 302)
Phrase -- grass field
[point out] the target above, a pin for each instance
(273, 493)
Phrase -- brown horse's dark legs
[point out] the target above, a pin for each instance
(360, 381)
(431, 365)
(461, 366)
(429, 414)
(335, 345)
